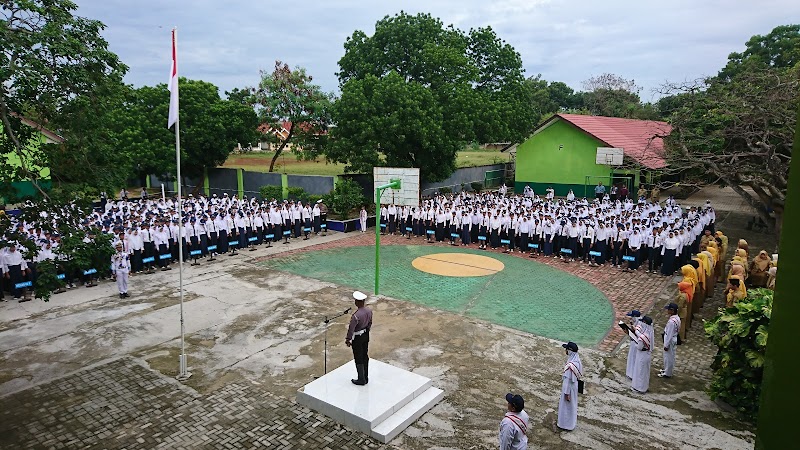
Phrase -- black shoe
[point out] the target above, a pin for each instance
(366, 372)
(360, 381)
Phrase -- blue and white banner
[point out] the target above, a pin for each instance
(287, 233)
(149, 259)
(594, 253)
(533, 245)
(212, 248)
(269, 236)
(252, 239)
(195, 252)
(628, 258)
(324, 225)
(61, 276)
(24, 284)
(408, 229)
(430, 232)
(165, 256)
(89, 271)
(481, 238)
(455, 235)
(566, 250)
(504, 241)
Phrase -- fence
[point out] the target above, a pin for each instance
(222, 181)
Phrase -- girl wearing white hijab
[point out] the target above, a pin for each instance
(568, 404)
(644, 356)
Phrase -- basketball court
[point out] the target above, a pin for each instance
(518, 293)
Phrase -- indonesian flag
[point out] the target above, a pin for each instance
(173, 84)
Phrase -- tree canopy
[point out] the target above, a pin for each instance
(737, 128)
(287, 96)
(444, 88)
(210, 128)
(49, 57)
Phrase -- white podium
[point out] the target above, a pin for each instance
(393, 399)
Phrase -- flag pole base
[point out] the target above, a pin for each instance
(183, 375)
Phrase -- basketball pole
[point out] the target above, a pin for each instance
(393, 184)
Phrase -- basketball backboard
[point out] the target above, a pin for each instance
(610, 156)
(408, 194)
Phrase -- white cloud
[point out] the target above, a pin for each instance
(227, 43)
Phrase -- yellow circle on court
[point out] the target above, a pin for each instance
(458, 265)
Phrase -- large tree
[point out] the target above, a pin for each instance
(49, 57)
(450, 88)
(210, 128)
(287, 97)
(614, 96)
(737, 130)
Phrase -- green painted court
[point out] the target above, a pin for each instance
(525, 295)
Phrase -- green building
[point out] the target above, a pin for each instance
(26, 188)
(563, 153)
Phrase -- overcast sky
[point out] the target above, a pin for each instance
(227, 42)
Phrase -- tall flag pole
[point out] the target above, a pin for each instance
(174, 119)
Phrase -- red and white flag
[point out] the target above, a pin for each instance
(173, 83)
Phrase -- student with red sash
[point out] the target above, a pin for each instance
(514, 426)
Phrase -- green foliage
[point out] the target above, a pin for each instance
(476, 186)
(297, 193)
(416, 92)
(346, 196)
(49, 57)
(288, 98)
(445, 190)
(270, 192)
(780, 49)
(210, 128)
(740, 332)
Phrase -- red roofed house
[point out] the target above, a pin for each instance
(563, 153)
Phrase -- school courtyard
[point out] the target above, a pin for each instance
(90, 370)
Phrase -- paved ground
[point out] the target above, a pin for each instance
(88, 370)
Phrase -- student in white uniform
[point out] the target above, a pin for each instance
(514, 425)
(568, 403)
(121, 267)
(635, 315)
(644, 356)
(670, 340)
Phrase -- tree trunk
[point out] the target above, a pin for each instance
(280, 149)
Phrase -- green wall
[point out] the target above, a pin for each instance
(541, 163)
(777, 423)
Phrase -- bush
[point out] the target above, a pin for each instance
(345, 197)
(476, 186)
(740, 332)
(271, 191)
(445, 190)
(298, 193)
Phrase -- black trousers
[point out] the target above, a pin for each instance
(360, 346)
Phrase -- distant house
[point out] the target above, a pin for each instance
(45, 136)
(281, 133)
(562, 153)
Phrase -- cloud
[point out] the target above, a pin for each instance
(227, 43)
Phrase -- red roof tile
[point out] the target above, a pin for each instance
(637, 138)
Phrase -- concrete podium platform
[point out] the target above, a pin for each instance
(393, 399)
